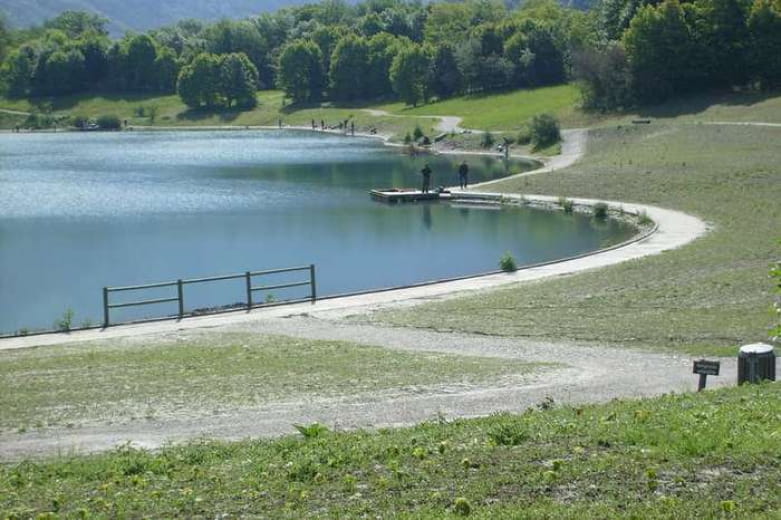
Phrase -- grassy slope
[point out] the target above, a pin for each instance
(507, 111)
(707, 297)
(708, 455)
(130, 380)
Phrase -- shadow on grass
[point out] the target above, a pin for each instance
(45, 103)
(225, 115)
(699, 103)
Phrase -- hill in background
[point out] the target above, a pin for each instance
(139, 15)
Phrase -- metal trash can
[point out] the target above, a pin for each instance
(756, 362)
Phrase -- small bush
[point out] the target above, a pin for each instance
(80, 122)
(407, 138)
(643, 219)
(462, 507)
(65, 322)
(600, 210)
(487, 140)
(311, 431)
(109, 122)
(507, 262)
(544, 131)
(524, 136)
(417, 133)
(566, 204)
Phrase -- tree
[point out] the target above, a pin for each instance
(409, 74)
(199, 82)
(18, 71)
(382, 49)
(238, 80)
(77, 23)
(348, 65)
(227, 37)
(446, 78)
(764, 26)
(720, 34)
(140, 62)
(658, 45)
(301, 71)
(63, 73)
(544, 131)
(604, 78)
(166, 70)
(93, 47)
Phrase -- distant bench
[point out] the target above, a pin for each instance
(641, 121)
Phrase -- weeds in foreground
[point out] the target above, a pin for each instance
(507, 262)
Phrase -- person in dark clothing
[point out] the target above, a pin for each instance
(426, 171)
(463, 175)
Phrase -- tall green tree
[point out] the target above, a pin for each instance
(140, 59)
(446, 78)
(764, 26)
(238, 80)
(301, 71)
(349, 63)
(199, 82)
(76, 23)
(409, 74)
(658, 45)
(18, 71)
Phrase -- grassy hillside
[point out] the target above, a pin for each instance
(707, 297)
(708, 455)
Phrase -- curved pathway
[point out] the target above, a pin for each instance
(588, 373)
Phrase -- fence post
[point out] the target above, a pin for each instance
(180, 294)
(105, 308)
(312, 282)
(249, 291)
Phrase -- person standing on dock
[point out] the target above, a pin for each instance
(426, 172)
(463, 175)
(352, 127)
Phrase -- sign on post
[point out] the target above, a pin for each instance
(705, 368)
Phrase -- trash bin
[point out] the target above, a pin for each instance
(756, 362)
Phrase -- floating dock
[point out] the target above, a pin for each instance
(394, 195)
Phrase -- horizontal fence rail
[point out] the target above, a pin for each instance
(250, 290)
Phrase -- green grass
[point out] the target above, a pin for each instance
(196, 375)
(711, 455)
(507, 111)
(705, 298)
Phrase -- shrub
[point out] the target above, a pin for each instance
(312, 430)
(417, 133)
(65, 322)
(566, 204)
(524, 136)
(600, 210)
(507, 262)
(407, 138)
(487, 140)
(109, 122)
(643, 219)
(544, 131)
(462, 507)
(80, 121)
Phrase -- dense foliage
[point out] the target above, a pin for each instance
(623, 51)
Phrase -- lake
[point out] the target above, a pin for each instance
(79, 211)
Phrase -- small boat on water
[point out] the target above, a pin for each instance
(394, 195)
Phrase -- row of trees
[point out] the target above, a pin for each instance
(328, 50)
(673, 48)
(622, 51)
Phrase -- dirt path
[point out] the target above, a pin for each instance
(446, 124)
(584, 373)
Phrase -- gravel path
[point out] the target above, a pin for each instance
(583, 373)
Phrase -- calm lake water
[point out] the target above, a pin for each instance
(83, 211)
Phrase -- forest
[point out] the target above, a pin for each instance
(621, 52)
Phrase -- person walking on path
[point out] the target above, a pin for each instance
(426, 171)
(463, 175)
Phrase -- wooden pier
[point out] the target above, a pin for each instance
(394, 195)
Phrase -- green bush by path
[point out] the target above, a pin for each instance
(708, 455)
(706, 298)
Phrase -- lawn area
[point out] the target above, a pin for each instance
(199, 373)
(506, 111)
(706, 298)
(709, 455)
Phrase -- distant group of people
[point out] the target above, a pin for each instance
(346, 125)
(463, 176)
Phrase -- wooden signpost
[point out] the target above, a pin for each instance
(705, 368)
